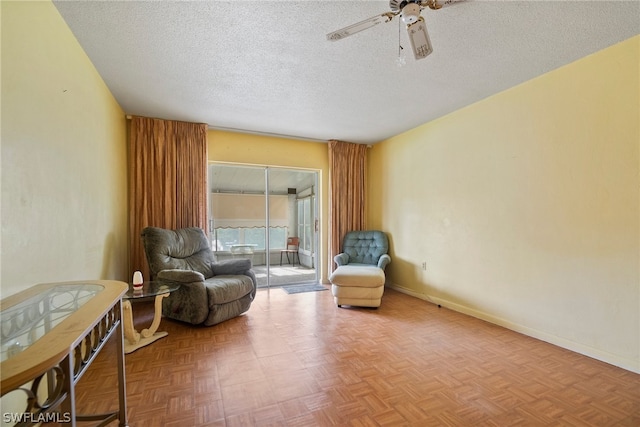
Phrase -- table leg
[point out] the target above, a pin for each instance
(122, 383)
(157, 315)
(134, 339)
(132, 336)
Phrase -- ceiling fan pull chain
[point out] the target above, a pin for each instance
(401, 60)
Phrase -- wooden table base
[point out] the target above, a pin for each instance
(134, 339)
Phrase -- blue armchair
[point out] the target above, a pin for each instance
(359, 279)
(364, 248)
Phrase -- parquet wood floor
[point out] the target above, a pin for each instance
(298, 360)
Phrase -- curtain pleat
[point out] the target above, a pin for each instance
(347, 204)
(167, 179)
(192, 176)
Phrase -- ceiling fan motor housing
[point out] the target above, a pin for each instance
(410, 13)
(410, 9)
(398, 5)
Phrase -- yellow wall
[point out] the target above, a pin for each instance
(239, 148)
(525, 207)
(64, 176)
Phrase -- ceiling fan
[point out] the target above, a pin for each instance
(409, 11)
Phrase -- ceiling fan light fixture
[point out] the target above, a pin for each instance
(410, 13)
(420, 41)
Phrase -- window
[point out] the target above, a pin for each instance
(224, 238)
(305, 223)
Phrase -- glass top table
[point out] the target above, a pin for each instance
(50, 334)
(150, 289)
(26, 322)
(153, 289)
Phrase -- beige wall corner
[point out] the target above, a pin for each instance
(525, 206)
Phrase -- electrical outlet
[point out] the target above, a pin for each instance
(424, 265)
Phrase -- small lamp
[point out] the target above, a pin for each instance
(137, 280)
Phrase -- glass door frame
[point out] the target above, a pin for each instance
(311, 192)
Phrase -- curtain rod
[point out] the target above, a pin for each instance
(129, 117)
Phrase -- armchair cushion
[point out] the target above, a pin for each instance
(224, 289)
(184, 249)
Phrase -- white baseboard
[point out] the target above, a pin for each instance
(603, 356)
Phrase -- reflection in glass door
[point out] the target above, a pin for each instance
(237, 216)
(245, 224)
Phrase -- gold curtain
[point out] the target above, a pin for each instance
(347, 208)
(167, 179)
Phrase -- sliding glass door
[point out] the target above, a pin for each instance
(237, 217)
(268, 215)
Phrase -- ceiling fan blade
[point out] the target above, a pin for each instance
(420, 42)
(362, 25)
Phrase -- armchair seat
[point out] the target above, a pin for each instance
(224, 289)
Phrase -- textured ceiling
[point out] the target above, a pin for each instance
(266, 66)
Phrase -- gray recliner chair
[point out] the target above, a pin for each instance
(210, 292)
(359, 279)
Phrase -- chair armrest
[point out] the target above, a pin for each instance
(383, 261)
(190, 302)
(231, 267)
(182, 276)
(341, 259)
